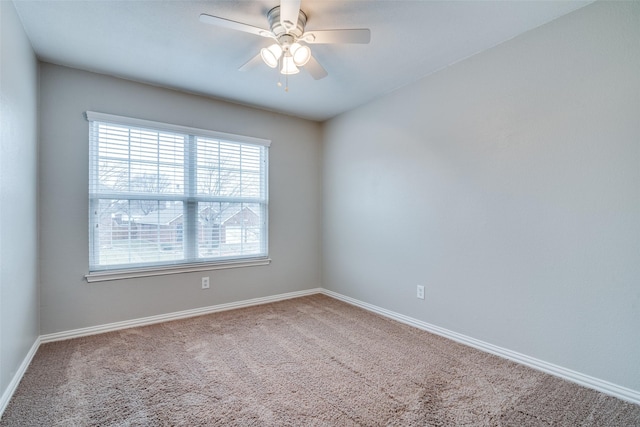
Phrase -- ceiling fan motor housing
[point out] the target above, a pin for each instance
(279, 30)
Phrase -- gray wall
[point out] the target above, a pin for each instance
(67, 300)
(508, 185)
(18, 195)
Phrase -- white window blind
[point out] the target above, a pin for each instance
(162, 195)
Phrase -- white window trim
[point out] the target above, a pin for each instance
(132, 273)
(137, 272)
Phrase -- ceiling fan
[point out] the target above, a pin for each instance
(287, 28)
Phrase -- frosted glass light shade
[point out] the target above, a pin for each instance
(271, 55)
(301, 54)
(288, 66)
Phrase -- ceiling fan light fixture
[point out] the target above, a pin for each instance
(271, 55)
(287, 23)
(288, 66)
(301, 54)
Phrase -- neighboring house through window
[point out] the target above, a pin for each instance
(164, 195)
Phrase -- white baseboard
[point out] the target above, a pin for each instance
(99, 329)
(606, 387)
(13, 385)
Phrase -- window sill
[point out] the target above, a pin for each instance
(103, 276)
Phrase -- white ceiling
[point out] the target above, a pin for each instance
(164, 43)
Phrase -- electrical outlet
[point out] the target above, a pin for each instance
(420, 292)
(205, 283)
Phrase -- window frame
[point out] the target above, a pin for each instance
(187, 264)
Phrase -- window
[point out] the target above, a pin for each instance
(163, 195)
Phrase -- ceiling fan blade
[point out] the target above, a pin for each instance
(233, 25)
(252, 63)
(362, 36)
(316, 70)
(289, 10)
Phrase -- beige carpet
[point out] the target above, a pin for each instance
(311, 361)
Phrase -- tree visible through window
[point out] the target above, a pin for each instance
(159, 196)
